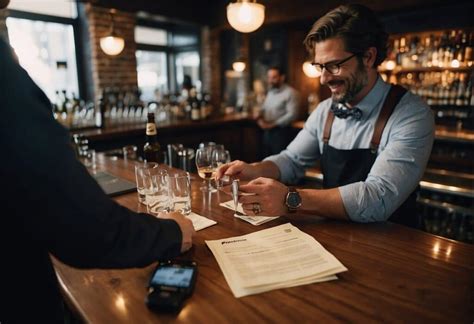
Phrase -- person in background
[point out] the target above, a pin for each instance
(278, 111)
(187, 84)
(52, 206)
(373, 139)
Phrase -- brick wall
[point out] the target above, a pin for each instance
(108, 71)
(215, 67)
(206, 59)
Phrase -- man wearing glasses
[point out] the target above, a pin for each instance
(373, 140)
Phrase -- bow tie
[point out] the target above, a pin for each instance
(342, 111)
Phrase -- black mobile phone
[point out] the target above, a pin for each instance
(170, 284)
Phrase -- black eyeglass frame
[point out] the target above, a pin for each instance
(337, 65)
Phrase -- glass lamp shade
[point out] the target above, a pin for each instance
(112, 45)
(245, 16)
(310, 71)
(238, 66)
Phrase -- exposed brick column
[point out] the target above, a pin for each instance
(215, 67)
(206, 59)
(108, 71)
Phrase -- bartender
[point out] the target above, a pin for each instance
(373, 139)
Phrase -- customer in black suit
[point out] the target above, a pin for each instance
(51, 205)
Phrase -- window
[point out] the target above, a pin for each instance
(152, 74)
(42, 36)
(187, 63)
(58, 8)
(165, 53)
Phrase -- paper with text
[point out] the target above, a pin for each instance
(278, 257)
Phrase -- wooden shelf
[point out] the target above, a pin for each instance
(453, 134)
(441, 133)
(399, 70)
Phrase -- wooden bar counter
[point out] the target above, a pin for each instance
(396, 274)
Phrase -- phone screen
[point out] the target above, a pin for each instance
(173, 276)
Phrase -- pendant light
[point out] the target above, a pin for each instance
(112, 44)
(310, 71)
(245, 16)
(238, 65)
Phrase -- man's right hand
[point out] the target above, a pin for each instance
(238, 169)
(186, 227)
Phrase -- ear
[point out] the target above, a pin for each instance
(369, 57)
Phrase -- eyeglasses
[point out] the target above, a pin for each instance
(332, 67)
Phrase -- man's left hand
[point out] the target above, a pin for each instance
(264, 125)
(269, 195)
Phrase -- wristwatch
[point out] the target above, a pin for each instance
(293, 200)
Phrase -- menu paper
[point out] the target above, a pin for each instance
(278, 257)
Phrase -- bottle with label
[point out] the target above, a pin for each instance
(151, 149)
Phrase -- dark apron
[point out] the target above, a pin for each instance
(342, 167)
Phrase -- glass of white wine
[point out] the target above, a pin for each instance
(206, 168)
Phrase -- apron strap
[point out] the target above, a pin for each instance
(327, 127)
(394, 95)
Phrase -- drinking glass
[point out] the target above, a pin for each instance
(220, 156)
(142, 170)
(130, 152)
(206, 169)
(157, 197)
(180, 192)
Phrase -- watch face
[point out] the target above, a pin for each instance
(294, 200)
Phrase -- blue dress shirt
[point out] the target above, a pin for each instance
(404, 150)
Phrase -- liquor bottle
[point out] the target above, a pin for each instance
(151, 149)
(195, 109)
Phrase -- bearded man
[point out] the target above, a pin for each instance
(373, 139)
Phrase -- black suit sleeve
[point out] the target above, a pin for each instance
(57, 202)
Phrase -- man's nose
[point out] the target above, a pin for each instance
(325, 76)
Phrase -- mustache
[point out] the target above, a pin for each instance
(335, 82)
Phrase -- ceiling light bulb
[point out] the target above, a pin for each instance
(245, 16)
(112, 45)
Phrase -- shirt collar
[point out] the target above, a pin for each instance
(277, 90)
(374, 97)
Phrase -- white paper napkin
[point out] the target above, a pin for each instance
(254, 220)
(200, 222)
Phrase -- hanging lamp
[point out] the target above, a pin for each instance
(112, 44)
(245, 16)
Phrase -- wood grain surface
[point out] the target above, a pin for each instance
(396, 274)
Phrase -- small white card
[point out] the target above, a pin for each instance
(200, 222)
(254, 220)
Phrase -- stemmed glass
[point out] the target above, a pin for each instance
(220, 156)
(205, 167)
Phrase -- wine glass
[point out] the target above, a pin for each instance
(205, 167)
(220, 156)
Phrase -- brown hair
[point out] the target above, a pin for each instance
(356, 25)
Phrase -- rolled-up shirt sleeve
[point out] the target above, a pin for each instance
(399, 165)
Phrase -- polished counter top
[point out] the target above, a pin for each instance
(395, 274)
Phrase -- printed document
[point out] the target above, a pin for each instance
(278, 257)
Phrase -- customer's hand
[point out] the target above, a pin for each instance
(237, 169)
(264, 125)
(186, 227)
(269, 198)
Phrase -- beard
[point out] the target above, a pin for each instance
(352, 85)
